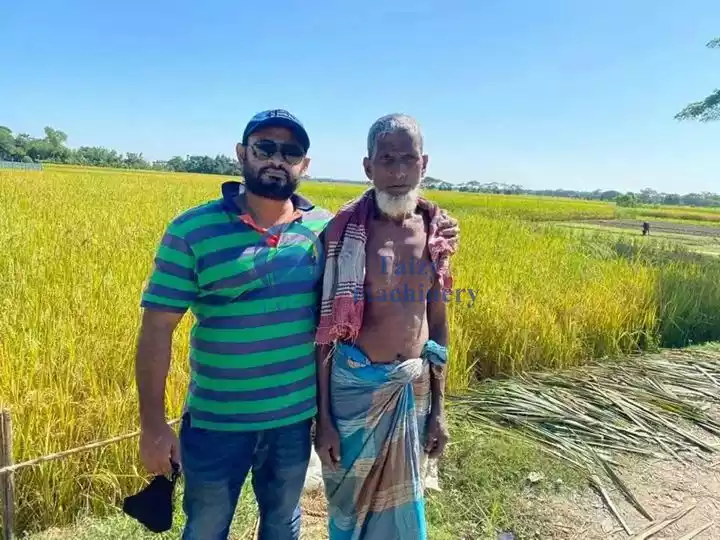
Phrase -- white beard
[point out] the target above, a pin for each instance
(396, 206)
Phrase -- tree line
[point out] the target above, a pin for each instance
(643, 197)
(52, 148)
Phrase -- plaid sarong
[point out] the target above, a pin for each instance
(343, 294)
(381, 412)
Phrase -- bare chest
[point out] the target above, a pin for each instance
(397, 255)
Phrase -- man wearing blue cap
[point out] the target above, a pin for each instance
(248, 265)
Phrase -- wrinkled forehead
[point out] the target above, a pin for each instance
(398, 142)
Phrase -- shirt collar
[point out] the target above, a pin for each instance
(231, 190)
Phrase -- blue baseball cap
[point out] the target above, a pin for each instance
(279, 118)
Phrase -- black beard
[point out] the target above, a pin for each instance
(277, 190)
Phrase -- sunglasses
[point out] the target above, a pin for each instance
(265, 149)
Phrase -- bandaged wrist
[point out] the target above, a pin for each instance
(434, 352)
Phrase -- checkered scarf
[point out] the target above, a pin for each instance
(343, 294)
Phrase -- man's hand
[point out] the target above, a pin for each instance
(327, 444)
(437, 436)
(158, 446)
(448, 227)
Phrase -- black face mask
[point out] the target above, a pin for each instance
(153, 506)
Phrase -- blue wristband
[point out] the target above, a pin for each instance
(435, 353)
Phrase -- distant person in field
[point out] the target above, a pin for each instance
(248, 266)
(382, 355)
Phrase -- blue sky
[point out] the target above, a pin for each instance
(546, 94)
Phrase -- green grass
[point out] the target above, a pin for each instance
(118, 526)
(484, 478)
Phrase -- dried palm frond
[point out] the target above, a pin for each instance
(640, 405)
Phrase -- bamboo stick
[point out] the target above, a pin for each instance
(9, 469)
(7, 481)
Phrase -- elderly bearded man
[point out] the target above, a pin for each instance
(381, 372)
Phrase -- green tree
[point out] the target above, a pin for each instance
(671, 198)
(7, 144)
(55, 137)
(629, 200)
(97, 156)
(707, 109)
(135, 161)
(176, 164)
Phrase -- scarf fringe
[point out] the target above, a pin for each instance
(341, 323)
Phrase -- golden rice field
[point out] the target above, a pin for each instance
(78, 245)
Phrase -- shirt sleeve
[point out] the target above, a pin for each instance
(173, 282)
(322, 248)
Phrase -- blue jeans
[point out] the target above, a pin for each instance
(215, 465)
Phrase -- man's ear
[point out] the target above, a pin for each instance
(367, 165)
(240, 151)
(305, 166)
(425, 162)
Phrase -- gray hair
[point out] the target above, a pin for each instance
(390, 124)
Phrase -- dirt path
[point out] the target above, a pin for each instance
(662, 487)
(658, 226)
(314, 517)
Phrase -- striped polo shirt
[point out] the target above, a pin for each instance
(254, 295)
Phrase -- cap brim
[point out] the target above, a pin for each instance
(299, 132)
